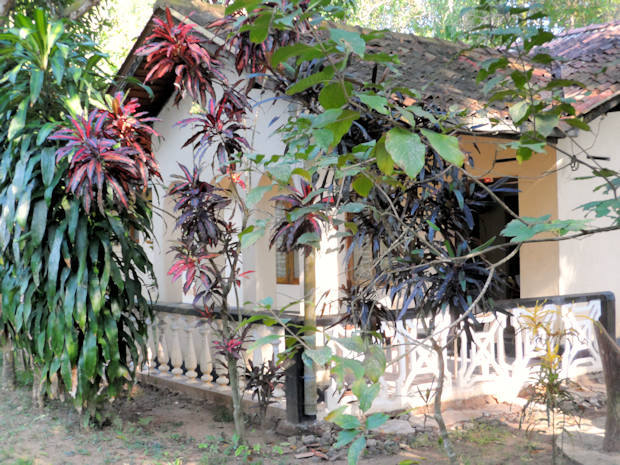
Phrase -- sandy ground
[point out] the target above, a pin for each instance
(161, 427)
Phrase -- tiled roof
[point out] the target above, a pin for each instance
(445, 72)
(592, 57)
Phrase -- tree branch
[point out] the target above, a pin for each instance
(79, 8)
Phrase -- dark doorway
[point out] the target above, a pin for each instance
(491, 218)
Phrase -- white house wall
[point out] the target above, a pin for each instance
(258, 258)
(589, 264)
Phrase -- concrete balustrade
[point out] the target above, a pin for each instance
(497, 358)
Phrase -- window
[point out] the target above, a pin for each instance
(287, 263)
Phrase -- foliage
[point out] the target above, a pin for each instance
(250, 41)
(208, 252)
(384, 174)
(97, 162)
(205, 236)
(454, 20)
(72, 289)
(539, 110)
(219, 124)
(548, 388)
(173, 48)
(366, 368)
(302, 222)
(261, 381)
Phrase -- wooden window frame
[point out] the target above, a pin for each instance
(290, 277)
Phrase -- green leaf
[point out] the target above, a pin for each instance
(577, 123)
(247, 5)
(343, 367)
(355, 451)
(362, 185)
(89, 354)
(546, 123)
(342, 125)
(250, 235)
(346, 421)
(320, 355)
(333, 95)
(353, 207)
(309, 238)
(355, 343)
(39, 222)
(376, 102)
(406, 149)
(345, 437)
(263, 341)
(375, 420)
(23, 207)
(44, 132)
(351, 39)
(260, 28)
(256, 194)
(36, 83)
(18, 122)
(518, 112)
(374, 363)
(367, 395)
(48, 165)
(288, 51)
(446, 146)
(311, 81)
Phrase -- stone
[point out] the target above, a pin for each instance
(391, 447)
(396, 427)
(285, 428)
(307, 439)
(371, 443)
(326, 439)
(292, 440)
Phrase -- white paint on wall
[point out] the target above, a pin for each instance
(592, 263)
(266, 116)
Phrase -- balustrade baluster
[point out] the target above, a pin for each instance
(162, 347)
(191, 361)
(151, 346)
(176, 354)
(206, 359)
(221, 366)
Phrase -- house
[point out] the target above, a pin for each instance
(546, 183)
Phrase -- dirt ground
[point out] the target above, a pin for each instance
(161, 427)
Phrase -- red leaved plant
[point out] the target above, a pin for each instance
(252, 57)
(288, 232)
(219, 124)
(172, 48)
(198, 206)
(109, 149)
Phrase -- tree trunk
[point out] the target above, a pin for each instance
(610, 358)
(8, 366)
(37, 386)
(233, 376)
(443, 431)
(310, 392)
